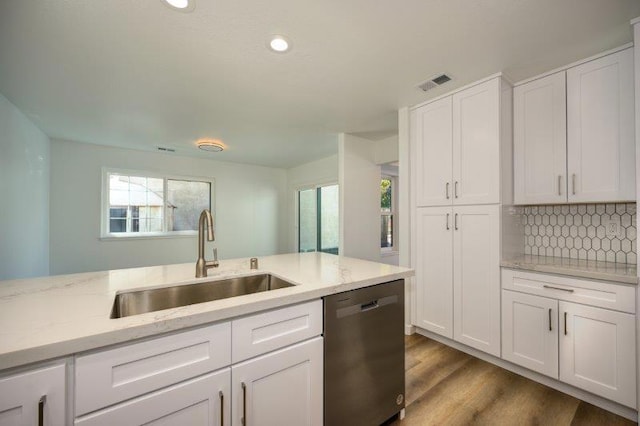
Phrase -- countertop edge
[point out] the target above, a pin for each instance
(565, 271)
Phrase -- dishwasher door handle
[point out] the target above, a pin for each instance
(364, 307)
(369, 306)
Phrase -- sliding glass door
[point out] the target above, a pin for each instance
(318, 219)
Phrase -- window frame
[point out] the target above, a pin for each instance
(105, 204)
(389, 251)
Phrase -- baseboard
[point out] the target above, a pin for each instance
(603, 403)
(409, 329)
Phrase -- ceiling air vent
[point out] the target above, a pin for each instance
(434, 82)
(163, 149)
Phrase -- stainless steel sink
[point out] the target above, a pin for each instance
(142, 301)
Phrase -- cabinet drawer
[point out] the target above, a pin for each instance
(107, 377)
(268, 331)
(595, 293)
(202, 401)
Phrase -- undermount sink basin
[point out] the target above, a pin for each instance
(142, 301)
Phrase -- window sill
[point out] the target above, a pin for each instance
(389, 253)
(148, 236)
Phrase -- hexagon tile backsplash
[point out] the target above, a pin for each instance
(587, 231)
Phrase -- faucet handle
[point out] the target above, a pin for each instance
(215, 258)
(254, 263)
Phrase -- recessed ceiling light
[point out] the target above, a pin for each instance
(279, 44)
(211, 145)
(182, 5)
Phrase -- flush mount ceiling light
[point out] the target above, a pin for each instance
(181, 5)
(279, 44)
(211, 145)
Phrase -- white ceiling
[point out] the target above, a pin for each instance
(135, 73)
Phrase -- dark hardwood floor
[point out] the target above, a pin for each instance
(447, 387)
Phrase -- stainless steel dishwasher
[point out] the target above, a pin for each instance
(364, 355)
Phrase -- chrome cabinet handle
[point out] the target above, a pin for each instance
(221, 408)
(43, 400)
(455, 222)
(573, 184)
(565, 323)
(448, 227)
(568, 290)
(455, 189)
(447, 190)
(550, 328)
(244, 405)
(559, 185)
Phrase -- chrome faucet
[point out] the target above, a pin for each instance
(206, 219)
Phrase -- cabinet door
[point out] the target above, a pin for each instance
(203, 401)
(476, 144)
(434, 270)
(600, 121)
(280, 388)
(530, 332)
(597, 351)
(476, 277)
(22, 395)
(431, 140)
(540, 141)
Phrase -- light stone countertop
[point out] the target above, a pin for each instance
(56, 316)
(592, 269)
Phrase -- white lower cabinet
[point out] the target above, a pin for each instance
(34, 397)
(458, 274)
(588, 347)
(280, 388)
(203, 401)
(196, 378)
(530, 332)
(597, 351)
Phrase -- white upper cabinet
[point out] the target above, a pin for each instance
(456, 141)
(576, 143)
(600, 120)
(432, 132)
(476, 144)
(540, 141)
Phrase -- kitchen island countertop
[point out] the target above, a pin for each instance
(56, 316)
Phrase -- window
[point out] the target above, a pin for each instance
(387, 210)
(146, 204)
(318, 219)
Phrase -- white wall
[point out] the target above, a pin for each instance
(359, 178)
(386, 150)
(24, 195)
(248, 210)
(319, 172)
